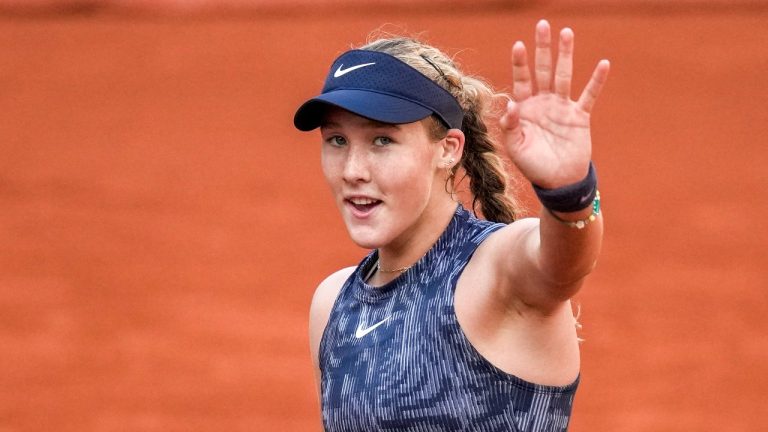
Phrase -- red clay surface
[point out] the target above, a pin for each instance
(163, 225)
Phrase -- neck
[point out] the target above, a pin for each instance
(416, 242)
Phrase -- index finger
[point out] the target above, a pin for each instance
(564, 67)
(543, 57)
(521, 74)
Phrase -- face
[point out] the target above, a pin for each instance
(386, 179)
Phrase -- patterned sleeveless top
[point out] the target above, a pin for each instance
(394, 358)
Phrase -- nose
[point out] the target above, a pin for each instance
(356, 165)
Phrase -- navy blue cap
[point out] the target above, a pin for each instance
(380, 87)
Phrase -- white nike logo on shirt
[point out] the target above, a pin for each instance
(340, 71)
(362, 332)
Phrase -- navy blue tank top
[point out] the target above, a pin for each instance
(394, 358)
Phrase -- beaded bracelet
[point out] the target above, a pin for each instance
(580, 224)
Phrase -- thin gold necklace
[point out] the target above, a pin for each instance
(397, 270)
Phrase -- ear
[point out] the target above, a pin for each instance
(451, 148)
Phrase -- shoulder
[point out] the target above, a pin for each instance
(504, 261)
(501, 242)
(488, 234)
(320, 310)
(324, 297)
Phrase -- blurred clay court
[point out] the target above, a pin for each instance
(163, 226)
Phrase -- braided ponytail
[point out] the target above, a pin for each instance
(488, 180)
(483, 166)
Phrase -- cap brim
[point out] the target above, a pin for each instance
(375, 106)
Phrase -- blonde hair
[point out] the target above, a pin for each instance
(480, 161)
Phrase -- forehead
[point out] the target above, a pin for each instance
(338, 117)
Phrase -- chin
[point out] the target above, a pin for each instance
(367, 234)
(365, 238)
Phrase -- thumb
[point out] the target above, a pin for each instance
(510, 124)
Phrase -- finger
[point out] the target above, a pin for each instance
(543, 62)
(511, 126)
(521, 74)
(564, 68)
(595, 85)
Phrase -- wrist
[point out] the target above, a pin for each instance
(570, 198)
(581, 218)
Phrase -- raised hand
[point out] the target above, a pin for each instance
(546, 133)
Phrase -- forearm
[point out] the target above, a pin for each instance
(567, 254)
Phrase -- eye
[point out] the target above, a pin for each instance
(337, 140)
(382, 141)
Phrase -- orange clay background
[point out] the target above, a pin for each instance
(163, 226)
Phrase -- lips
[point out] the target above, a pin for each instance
(361, 207)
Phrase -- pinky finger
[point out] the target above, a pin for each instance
(595, 86)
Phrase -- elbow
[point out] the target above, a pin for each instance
(574, 273)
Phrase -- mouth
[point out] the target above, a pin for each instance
(362, 206)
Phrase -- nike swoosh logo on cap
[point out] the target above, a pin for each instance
(364, 331)
(341, 71)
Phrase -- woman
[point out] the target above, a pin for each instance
(452, 322)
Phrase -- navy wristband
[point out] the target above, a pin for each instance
(570, 198)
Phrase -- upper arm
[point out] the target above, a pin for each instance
(320, 310)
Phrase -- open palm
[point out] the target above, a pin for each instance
(547, 135)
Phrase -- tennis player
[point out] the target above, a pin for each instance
(453, 322)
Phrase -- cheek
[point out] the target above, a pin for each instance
(411, 174)
(331, 167)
